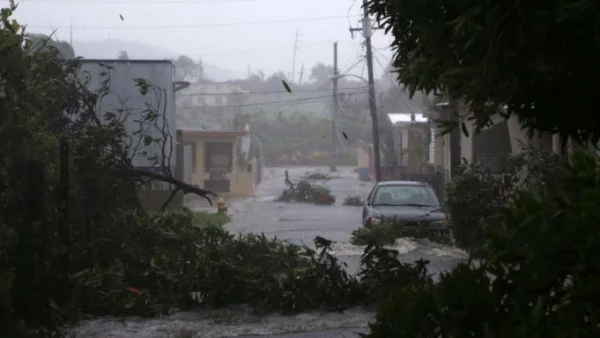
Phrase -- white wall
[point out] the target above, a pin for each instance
(126, 101)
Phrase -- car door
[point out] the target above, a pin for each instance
(366, 206)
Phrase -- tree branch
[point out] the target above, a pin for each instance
(184, 187)
(164, 207)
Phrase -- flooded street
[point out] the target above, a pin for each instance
(296, 223)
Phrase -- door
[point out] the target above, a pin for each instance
(218, 159)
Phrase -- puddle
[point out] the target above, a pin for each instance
(220, 323)
(403, 245)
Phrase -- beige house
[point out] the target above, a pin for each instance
(214, 95)
(217, 162)
(412, 139)
(490, 147)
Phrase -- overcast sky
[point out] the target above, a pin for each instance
(231, 34)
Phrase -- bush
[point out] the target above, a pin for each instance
(149, 265)
(353, 201)
(476, 198)
(538, 278)
(205, 219)
(306, 192)
(317, 177)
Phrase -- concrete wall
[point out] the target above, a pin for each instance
(125, 101)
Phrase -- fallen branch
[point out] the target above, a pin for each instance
(184, 187)
(288, 182)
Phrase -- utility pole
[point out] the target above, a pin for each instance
(71, 31)
(294, 60)
(335, 107)
(301, 75)
(367, 31)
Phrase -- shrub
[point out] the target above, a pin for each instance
(306, 192)
(538, 278)
(353, 201)
(476, 198)
(149, 265)
(317, 177)
(205, 219)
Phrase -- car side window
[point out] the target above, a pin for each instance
(369, 198)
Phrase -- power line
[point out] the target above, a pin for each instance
(306, 99)
(264, 49)
(161, 2)
(269, 92)
(232, 24)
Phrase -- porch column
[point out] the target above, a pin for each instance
(518, 135)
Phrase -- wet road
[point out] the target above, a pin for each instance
(301, 223)
(297, 223)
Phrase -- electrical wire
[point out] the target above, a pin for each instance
(266, 49)
(231, 24)
(161, 2)
(267, 103)
(269, 92)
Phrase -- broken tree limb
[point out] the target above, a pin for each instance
(164, 207)
(179, 185)
(289, 183)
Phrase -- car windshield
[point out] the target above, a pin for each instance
(405, 195)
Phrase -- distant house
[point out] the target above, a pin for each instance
(408, 152)
(213, 95)
(126, 100)
(412, 141)
(491, 147)
(221, 161)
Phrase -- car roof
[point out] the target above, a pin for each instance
(407, 183)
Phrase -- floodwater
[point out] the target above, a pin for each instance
(296, 223)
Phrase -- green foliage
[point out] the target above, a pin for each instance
(538, 279)
(317, 177)
(537, 60)
(149, 265)
(476, 198)
(382, 272)
(163, 260)
(305, 192)
(205, 219)
(353, 201)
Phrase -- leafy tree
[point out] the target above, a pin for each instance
(123, 55)
(188, 70)
(44, 42)
(537, 60)
(539, 278)
(321, 73)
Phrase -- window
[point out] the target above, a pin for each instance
(405, 194)
(219, 100)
